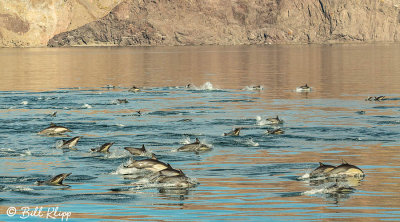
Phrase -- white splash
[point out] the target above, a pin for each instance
(86, 106)
(253, 88)
(59, 144)
(205, 86)
(305, 176)
(26, 153)
(19, 188)
(261, 122)
(251, 142)
(314, 191)
(117, 154)
(24, 103)
(185, 140)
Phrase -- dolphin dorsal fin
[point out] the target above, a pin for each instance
(321, 164)
(143, 148)
(105, 147)
(59, 178)
(197, 141)
(344, 161)
(153, 156)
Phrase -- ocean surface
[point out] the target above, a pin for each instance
(255, 176)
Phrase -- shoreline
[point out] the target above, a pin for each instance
(207, 45)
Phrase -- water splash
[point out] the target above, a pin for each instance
(86, 106)
(250, 142)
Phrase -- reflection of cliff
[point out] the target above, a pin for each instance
(201, 22)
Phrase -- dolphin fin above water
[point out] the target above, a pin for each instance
(55, 181)
(70, 144)
(136, 151)
(234, 132)
(103, 148)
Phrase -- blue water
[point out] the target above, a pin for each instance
(251, 177)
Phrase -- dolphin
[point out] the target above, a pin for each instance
(134, 89)
(304, 88)
(375, 98)
(166, 173)
(258, 87)
(197, 146)
(55, 181)
(275, 121)
(152, 164)
(70, 143)
(120, 101)
(103, 148)
(54, 114)
(234, 132)
(53, 129)
(170, 172)
(180, 181)
(137, 151)
(322, 170)
(189, 86)
(346, 169)
(276, 131)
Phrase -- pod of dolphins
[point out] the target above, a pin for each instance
(164, 173)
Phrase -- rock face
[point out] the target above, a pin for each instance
(200, 22)
(31, 23)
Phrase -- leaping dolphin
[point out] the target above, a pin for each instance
(70, 143)
(234, 132)
(103, 148)
(346, 169)
(152, 164)
(274, 121)
(322, 170)
(197, 146)
(169, 172)
(55, 181)
(137, 151)
(53, 129)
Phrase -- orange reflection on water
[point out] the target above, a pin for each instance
(330, 70)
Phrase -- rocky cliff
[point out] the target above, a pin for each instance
(197, 22)
(31, 23)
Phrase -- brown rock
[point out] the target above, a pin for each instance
(201, 22)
